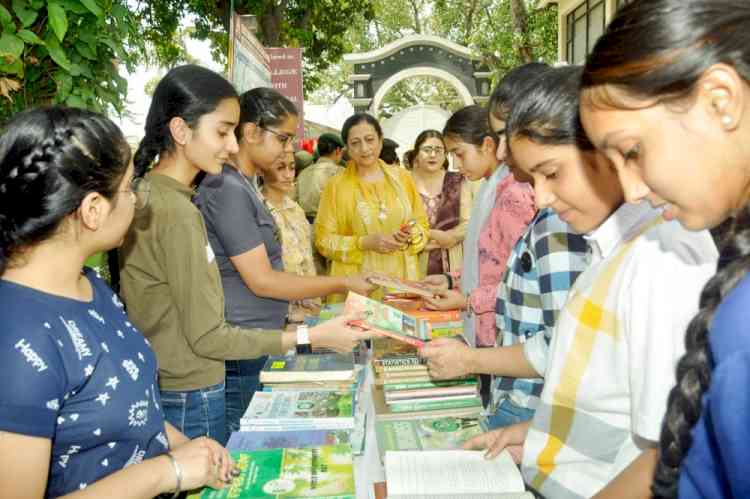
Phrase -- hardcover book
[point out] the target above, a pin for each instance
(387, 321)
(320, 410)
(323, 472)
(306, 368)
(442, 433)
(257, 440)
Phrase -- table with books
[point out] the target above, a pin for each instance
(342, 425)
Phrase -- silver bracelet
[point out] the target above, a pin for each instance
(177, 474)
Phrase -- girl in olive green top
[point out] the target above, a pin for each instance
(169, 278)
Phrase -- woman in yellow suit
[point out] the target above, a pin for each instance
(370, 217)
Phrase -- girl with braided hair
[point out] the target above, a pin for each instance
(672, 112)
(87, 422)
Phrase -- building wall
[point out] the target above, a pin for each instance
(565, 7)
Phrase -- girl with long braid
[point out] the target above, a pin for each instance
(672, 112)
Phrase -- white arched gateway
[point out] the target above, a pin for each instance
(376, 72)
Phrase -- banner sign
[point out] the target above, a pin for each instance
(286, 78)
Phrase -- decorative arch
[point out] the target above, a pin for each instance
(404, 74)
(377, 71)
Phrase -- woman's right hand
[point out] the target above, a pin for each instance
(203, 462)
(381, 243)
(509, 437)
(337, 335)
(436, 281)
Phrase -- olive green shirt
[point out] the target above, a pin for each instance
(170, 283)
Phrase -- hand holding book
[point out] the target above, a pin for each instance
(450, 299)
(337, 335)
(447, 358)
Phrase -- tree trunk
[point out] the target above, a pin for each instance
(521, 26)
(469, 21)
(270, 24)
(415, 13)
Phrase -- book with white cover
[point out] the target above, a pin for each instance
(456, 474)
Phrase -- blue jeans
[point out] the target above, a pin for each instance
(197, 413)
(508, 414)
(243, 380)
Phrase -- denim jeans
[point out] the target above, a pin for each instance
(508, 414)
(242, 380)
(197, 413)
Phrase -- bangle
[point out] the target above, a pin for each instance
(450, 280)
(177, 474)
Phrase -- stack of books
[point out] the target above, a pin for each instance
(288, 410)
(310, 372)
(441, 323)
(403, 387)
(307, 400)
(386, 321)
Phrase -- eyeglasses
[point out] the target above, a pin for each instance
(283, 138)
(139, 190)
(430, 150)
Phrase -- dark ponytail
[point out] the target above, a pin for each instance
(50, 159)
(470, 125)
(658, 50)
(512, 87)
(187, 92)
(547, 112)
(264, 107)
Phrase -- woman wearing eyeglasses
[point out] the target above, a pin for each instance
(447, 198)
(370, 216)
(246, 240)
(171, 282)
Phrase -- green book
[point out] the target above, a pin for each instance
(391, 387)
(440, 433)
(298, 368)
(322, 472)
(431, 406)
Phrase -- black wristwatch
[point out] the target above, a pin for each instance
(303, 340)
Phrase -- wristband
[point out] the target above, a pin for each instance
(177, 474)
(450, 280)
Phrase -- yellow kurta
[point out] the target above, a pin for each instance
(351, 209)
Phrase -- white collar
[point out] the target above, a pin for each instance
(620, 226)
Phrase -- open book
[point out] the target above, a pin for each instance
(456, 474)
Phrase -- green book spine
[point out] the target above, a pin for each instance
(390, 387)
(429, 406)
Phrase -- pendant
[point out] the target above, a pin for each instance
(383, 214)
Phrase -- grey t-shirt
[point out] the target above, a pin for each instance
(238, 221)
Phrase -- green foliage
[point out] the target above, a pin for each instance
(66, 51)
(487, 27)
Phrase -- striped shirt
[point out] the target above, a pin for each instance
(544, 264)
(612, 357)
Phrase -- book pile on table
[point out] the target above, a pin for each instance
(307, 400)
(404, 389)
(441, 323)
